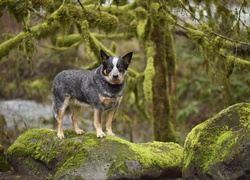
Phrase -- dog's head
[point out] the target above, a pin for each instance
(115, 68)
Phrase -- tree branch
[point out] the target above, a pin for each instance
(221, 36)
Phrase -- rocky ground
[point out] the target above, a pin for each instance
(218, 148)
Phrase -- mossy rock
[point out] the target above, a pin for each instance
(219, 148)
(4, 165)
(40, 152)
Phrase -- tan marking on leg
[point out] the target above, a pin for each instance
(97, 124)
(76, 111)
(60, 116)
(60, 122)
(110, 117)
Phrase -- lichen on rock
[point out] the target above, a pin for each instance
(219, 148)
(39, 151)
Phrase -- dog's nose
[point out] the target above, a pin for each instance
(115, 76)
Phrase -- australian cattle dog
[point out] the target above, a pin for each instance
(100, 88)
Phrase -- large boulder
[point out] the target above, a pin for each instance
(40, 152)
(4, 165)
(219, 148)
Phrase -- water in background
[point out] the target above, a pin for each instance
(30, 114)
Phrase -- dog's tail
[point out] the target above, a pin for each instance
(54, 107)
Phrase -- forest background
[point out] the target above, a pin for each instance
(191, 58)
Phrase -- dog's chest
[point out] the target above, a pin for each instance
(110, 103)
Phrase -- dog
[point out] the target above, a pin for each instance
(100, 88)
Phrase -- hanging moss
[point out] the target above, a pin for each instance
(141, 13)
(239, 64)
(92, 45)
(107, 22)
(229, 65)
(19, 9)
(27, 45)
(86, 37)
(113, 46)
(206, 29)
(170, 53)
(189, 25)
(142, 24)
(149, 72)
(196, 35)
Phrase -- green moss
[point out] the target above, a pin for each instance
(107, 22)
(87, 151)
(215, 140)
(10, 44)
(189, 25)
(206, 29)
(149, 72)
(68, 40)
(240, 65)
(196, 35)
(170, 52)
(141, 13)
(142, 24)
(153, 153)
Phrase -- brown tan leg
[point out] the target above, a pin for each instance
(60, 122)
(76, 111)
(97, 123)
(110, 116)
(60, 116)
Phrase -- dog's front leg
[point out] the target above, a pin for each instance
(97, 123)
(110, 116)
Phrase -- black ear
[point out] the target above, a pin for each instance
(127, 58)
(104, 56)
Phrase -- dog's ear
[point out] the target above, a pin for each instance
(127, 58)
(104, 56)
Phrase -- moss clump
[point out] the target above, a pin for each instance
(197, 35)
(217, 140)
(238, 64)
(141, 13)
(107, 22)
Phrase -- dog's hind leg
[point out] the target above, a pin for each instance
(60, 114)
(76, 111)
(97, 123)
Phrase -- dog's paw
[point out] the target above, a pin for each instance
(79, 131)
(60, 135)
(110, 133)
(100, 134)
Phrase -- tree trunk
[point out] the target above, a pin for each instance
(163, 128)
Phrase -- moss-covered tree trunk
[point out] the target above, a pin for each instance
(163, 129)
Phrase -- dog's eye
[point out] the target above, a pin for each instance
(109, 68)
(119, 67)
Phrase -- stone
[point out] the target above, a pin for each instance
(4, 165)
(219, 148)
(40, 152)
